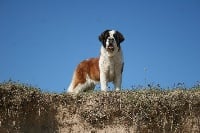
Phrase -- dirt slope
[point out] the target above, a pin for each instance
(26, 109)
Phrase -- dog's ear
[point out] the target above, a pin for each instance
(120, 37)
(102, 37)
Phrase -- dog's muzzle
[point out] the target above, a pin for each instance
(110, 46)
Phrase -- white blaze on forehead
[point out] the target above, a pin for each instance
(111, 33)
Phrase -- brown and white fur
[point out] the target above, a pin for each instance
(107, 68)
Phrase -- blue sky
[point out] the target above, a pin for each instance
(42, 41)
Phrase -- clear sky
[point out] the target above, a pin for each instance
(42, 41)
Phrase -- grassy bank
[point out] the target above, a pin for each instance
(27, 109)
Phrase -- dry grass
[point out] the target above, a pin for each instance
(26, 109)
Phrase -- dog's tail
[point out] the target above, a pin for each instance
(71, 86)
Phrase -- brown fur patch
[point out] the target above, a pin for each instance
(88, 67)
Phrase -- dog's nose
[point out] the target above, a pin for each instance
(111, 40)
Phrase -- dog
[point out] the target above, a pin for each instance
(107, 68)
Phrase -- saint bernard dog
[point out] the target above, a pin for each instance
(107, 68)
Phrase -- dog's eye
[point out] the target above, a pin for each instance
(115, 36)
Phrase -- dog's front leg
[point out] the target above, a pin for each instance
(103, 82)
(103, 71)
(118, 77)
(117, 82)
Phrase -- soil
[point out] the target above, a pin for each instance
(25, 109)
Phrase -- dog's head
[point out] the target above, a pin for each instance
(111, 40)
